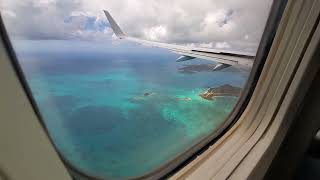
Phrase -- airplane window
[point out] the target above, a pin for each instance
(126, 87)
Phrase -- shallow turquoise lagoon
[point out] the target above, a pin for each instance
(92, 99)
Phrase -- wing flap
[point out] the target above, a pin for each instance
(184, 58)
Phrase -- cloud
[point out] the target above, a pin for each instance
(8, 14)
(231, 24)
(52, 19)
(222, 45)
(155, 33)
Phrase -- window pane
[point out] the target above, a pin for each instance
(118, 109)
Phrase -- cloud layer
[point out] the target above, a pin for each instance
(226, 24)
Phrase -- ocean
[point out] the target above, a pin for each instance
(117, 110)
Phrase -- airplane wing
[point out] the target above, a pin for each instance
(224, 58)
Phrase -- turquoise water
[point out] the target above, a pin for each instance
(91, 97)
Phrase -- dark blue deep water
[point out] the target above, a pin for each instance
(91, 97)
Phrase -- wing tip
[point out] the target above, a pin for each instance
(114, 26)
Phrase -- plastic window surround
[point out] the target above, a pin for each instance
(263, 49)
(25, 150)
(247, 149)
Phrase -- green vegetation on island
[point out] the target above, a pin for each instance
(224, 90)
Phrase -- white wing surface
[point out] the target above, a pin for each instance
(222, 57)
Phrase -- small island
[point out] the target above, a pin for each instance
(224, 90)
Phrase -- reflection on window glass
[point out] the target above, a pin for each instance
(119, 109)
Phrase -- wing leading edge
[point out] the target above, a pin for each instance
(224, 58)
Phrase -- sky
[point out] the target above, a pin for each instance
(222, 24)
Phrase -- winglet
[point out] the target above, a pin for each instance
(115, 27)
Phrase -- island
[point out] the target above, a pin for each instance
(224, 90)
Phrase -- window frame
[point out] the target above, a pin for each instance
(248, 148)
(173, 167)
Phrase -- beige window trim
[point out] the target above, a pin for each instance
(245, 151)
(260, 130)
(25, 150)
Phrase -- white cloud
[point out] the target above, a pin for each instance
(206, 45)
(233, 24)
(155, 33)
(8, 14)
(222, 45)
(43, 3)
